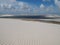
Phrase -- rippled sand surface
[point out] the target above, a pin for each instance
(22, 32)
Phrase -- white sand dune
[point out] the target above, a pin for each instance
(20, 32)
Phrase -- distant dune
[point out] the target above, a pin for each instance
(23, 32)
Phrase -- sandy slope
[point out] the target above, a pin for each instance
(20, 32)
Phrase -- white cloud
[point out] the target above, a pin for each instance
(7, 0)
(23, 7)
(16, 7)
(57, 3)
(42, 6)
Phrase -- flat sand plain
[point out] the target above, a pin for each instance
(22, 32)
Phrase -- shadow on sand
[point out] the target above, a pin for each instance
(37, 20)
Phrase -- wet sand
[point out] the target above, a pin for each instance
(23, 32)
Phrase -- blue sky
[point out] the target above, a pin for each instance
(38, 2)
(32, 1)
(30, 6)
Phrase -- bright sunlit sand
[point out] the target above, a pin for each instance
(22, 32)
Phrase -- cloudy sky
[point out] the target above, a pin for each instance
(38, 2)
(29, 6)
